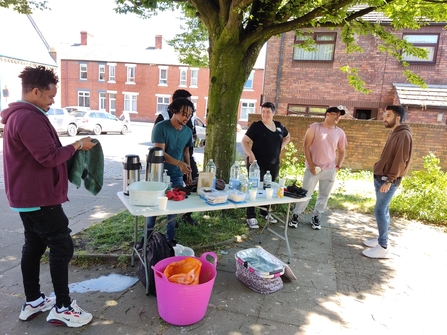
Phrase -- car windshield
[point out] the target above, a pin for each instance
(78, 114)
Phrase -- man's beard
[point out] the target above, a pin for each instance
(390, 124)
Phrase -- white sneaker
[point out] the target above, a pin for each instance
(252, 223)
(377, 252)
(29, 312)
(270, 218)
(74, 316)
(371, 243)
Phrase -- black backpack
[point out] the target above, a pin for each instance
(157, 249)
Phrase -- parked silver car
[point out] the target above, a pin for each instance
(99, 122)
(72, 109)
(62, 121)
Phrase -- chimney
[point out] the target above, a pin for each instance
(83, 38)
(158, 41)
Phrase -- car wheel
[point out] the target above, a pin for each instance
(72, 130)
(124, 130)
(97, 130)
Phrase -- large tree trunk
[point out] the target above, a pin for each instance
(230, 66)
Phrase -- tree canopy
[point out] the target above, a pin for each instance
(235, 31)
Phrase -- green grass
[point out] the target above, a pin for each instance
(353, 192)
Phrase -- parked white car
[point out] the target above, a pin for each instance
(62, 121)
(99, 122)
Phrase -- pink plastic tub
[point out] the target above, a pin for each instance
(183, 305)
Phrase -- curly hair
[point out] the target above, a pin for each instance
(37, 77)
(180, 94)
(176, 106)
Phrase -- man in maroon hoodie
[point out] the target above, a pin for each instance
(393, 164)
(36, 184)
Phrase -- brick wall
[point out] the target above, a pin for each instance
(323, 84)
(367, 138)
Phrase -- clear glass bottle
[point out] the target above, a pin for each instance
(267, 180)
(235, 172)
(254, 175)
(211, 167)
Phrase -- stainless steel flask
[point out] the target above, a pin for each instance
(131, 171)
(155, 164)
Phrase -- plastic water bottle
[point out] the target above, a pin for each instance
(167, 179)
(267, 180)
(254, 174)
(235, 173)
(211, 167)
(243, 185)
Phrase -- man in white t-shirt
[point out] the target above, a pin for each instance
(324, 148)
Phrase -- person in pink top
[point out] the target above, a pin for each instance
(324, 148)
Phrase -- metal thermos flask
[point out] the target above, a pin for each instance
(155, 164)
(131, 171)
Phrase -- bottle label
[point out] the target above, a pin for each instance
(253, 182)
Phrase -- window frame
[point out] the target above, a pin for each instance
(163, 80)
(112, 72)
(83, 70)
(112, 102)
(183, 73)
(166, 101)
(194, 77)
(131, 74)
(315, 36)
(131, 100)
(102, 96)
(101, 72)
(307, 109)
(250, 81)
(421, 61)
(244, 116)
(85, 96)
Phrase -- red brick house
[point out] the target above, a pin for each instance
(140, 80)
(307, 82)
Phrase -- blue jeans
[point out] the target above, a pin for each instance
(47, 227)
(172, 219)
(382, 210)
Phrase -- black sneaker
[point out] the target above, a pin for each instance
(316, 223)
(187, 218)
(293, 222)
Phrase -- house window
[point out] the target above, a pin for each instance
(183, 76)
(130, 101)
(130, 74)
(428, 42)
(112, 72)
(249, 83)
(102, 72)
(102, 101)
(305, 110)
(83, 71)
(322, 50)
(162, 103)
(112, 103)
(247, 107)
(194, 102)
(84, 98)
(162, 75)
(194, 77)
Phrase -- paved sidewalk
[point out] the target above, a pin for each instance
(338, 290)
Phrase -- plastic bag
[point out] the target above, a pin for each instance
(184, 272)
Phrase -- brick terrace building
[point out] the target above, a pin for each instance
(306, 83)
(140, 80)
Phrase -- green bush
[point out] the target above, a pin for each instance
(291, 167)
(423, 194)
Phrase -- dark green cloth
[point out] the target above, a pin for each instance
(88, 166)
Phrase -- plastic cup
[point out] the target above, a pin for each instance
(162, 203)
(282, 182)
(253, 192)
(269, 193)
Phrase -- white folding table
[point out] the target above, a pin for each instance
(196, 204)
